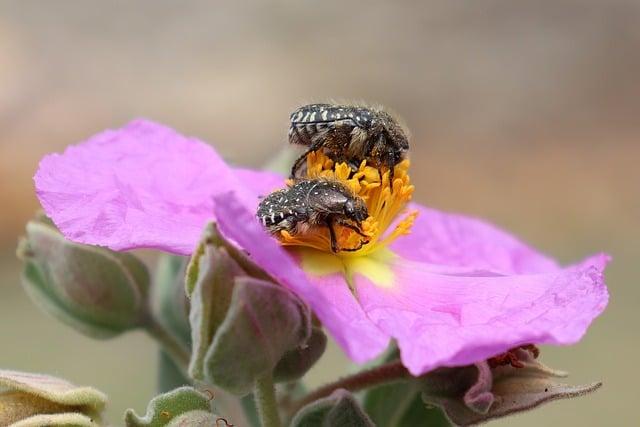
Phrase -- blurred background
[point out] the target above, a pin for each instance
(525, 113)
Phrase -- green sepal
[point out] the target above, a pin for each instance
(210, 300)
(295, 363)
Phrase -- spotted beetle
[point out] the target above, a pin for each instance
(349, 134)
(314, 203)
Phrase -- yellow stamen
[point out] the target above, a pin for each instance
(383, 204)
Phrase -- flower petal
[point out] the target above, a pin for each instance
(143, 185)
(455, 240)
(459, 316)
(328, 296)
(261, 183)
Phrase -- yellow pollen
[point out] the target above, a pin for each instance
(383, 204)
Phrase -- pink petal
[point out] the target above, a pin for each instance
(458, 316)
(456, 240)
(262, 183)
(328, 296)
(140, 186)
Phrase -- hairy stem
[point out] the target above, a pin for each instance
(169, 343)
(383, 374)
(265, 396)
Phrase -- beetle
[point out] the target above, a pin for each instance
(317, 202)
(349, 134)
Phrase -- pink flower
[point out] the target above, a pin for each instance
(453, 291)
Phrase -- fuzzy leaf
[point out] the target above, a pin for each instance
(53, 420)
(264, 322)
(165, 408)
(339, 409)
(24, 396)
(196, 419)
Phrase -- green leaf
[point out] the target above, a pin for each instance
(163, 409)
(96, 291)
(339, 409)
(400, 405)
(264, 322)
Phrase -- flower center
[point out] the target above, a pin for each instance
(385, 200)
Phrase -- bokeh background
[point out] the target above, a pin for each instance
(525, 113)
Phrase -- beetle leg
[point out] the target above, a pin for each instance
(298, 163)
(332, 234)
(350, 226)
(371, 145)
(391, 164)
(376, 150)
(362, 243)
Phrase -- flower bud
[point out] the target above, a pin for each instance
(475, 394)
(37, 400)
(99, 292)
(263, 323)
(243, 326)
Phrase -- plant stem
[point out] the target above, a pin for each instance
(265, 395)
(169, 343)
(383, 374)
